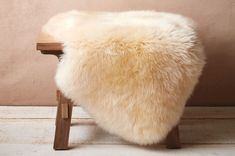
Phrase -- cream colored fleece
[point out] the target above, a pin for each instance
(131, 71)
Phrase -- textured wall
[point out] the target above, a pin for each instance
(26, 76)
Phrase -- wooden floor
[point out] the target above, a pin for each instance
(30, 131)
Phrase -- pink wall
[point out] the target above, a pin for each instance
(26, 76)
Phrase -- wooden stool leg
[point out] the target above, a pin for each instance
(172, 140)
(63, 122)
(58, 101)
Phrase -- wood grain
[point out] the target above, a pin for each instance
(63, 123)
(65, 110)
(47, 43)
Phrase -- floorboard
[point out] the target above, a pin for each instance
(115, 150)
(78, 112)
(30, 131)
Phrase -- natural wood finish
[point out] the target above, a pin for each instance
(57, 95)
(46, 43)
(172, 140)
(63, 124)
(64, 110)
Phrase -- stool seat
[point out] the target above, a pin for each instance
(48, 45)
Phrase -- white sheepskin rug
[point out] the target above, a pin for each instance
(131, 71)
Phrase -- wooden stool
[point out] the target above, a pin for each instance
(47, 45)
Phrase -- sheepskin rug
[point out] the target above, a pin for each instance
(131, 71)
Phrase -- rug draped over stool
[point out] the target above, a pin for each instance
(131, 71)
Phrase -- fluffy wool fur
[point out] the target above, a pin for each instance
(131, 71)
